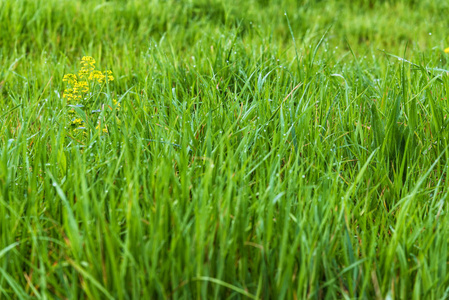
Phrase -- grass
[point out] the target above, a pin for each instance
(263, 149)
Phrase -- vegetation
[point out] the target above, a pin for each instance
(236, 149)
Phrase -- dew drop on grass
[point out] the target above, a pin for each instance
(303, 176)
(54, 184)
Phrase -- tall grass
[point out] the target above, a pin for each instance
(264, 149)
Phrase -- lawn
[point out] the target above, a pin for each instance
(211, 149)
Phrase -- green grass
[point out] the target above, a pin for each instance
(257, 154)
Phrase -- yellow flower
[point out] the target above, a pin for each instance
(81, 86)
(77, 122)
(446, 50)
(109, 74)
(88, 65)
(105, 130)
(96, 75)
(88, 60)
(70, 78)
(116, 104)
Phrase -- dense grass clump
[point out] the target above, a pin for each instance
(252, 149)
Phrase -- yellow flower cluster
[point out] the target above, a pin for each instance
(116, 104)
(79, 84)
(100, 77)
(77, 121)
(88, 66)
(105, 130)
(82, 89)
(75, 93)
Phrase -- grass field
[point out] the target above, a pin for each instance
(237, 149)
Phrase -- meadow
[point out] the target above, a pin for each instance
(236, 149)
